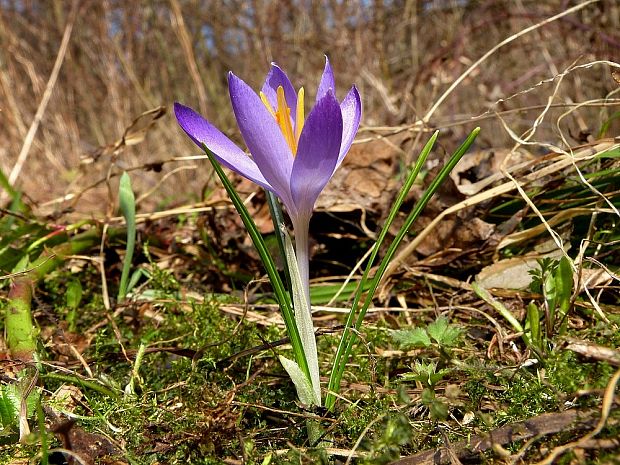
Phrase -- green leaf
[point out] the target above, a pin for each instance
(533, 320)
(414, 337)
(356, 316)
(10, 402)
(425, 373)
(613, 153)
(564, 285)
(127, 202)
(549, 291)
(605, 126)
(443, 332)
(284, 299)
(305, 392)
(73, 298)
(439, 410)
(321, 294)
(277, 218)
(9, 405)
(348, 337)
(303, 316)
(497, 305)
(6, 185)
(427, 396)
(74, 293)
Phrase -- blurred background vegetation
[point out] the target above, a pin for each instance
(127, 57)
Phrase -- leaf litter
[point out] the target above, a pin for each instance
(465, 386)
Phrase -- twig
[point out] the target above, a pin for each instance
(506, 41)
(557, 164)
(51, 83)
(608, 400)
(548, 423)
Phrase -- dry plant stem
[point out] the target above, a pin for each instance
(186, 44)
(608, 401)
(525, 140)
(506, 41)
(23, 154)
(542, 425)
(557, 164)
(20, 331)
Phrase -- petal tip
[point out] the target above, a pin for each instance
(179, 108)
(185, 115)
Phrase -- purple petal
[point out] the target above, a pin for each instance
(225, 150)
(317, 153)
(327, 81)
(263, 137)
(274, 79)
(351, 108)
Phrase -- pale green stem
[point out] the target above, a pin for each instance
(302, 251)
(304, 321)
(301, 228)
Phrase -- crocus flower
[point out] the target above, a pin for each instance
(291, 155)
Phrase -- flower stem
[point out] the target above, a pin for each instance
(301, 298)
(302, 254)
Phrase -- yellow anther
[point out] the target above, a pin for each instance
(282, 114)
(299, 120)
(283, 117)
(263, 98)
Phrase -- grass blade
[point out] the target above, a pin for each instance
(341, 353)
(349, 337)
(278, 221)
(282, 295)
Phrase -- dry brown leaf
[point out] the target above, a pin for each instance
(366, 180)
(511, 273)
(481, 169)
(459, 231)
(594, 351)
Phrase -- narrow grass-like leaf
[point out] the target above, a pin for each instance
(127, 202)
(342, 353)
(282, 295)
(605, 126)
(303, 316)
(277, 218)
(73, 298)
(43, 434)
(497, 305)
(349, 337)
(323, 293)
(612, 153)
(6, 185)
(550, 293)
(564, 287)
(95, 386)
(533, 319)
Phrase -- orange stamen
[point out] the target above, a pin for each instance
(283, 117)
(282, 114)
